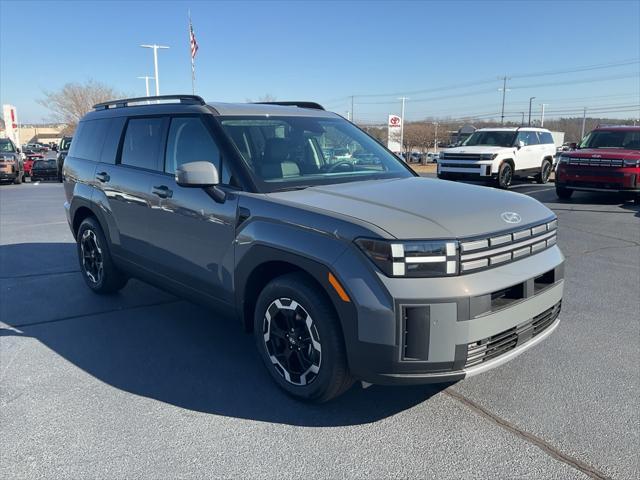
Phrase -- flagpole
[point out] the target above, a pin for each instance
(193, 65)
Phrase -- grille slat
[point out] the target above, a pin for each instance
(501, 343)
(502, 248)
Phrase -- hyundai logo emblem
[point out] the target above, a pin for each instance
(511, 217)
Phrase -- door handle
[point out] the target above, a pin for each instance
(103, 177)
(162, 191)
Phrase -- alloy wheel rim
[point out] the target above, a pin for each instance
(292, 341)
(92, 262)
(546, 171)
(506, 176)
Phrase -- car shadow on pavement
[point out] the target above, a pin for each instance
(179, 353)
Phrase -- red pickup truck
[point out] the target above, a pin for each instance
(606, 160)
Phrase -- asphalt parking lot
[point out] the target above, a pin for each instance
(144, 385)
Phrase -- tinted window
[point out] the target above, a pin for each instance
(6, 146)
(65, 143)
(529, 138)
(142, 142)
(495, 138)
(89, 139)
(189, 141)
(112, 140)
(545, 137)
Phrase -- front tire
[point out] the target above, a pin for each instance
(18, 179)
(299, 339)
(563, 193)
(505, 175)
(96, 264)
(545, 172)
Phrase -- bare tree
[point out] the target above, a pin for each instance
(74, 100)
(267, 97)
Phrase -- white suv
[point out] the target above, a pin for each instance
(499, 154)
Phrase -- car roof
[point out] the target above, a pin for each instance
(512, 129)
(192, 104)
(630, 128)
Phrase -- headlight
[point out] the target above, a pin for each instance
(416, 258)
(632, 163)
(563, 159)
(488, 156)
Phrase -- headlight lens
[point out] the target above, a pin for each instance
(563, 159)
(416, 258)
(488, 156)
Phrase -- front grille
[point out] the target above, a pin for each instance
(595, 162)
(459, 165)
(460, 156)
(499, 344)
(501, 248)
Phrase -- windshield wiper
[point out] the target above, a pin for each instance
(290, 189)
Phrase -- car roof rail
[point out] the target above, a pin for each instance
(125, 102)
(312, 105)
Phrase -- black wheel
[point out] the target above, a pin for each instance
(18, 179)
(545, 171)
(299, 339)
(563, 193)
(96, 265)
(505, 175)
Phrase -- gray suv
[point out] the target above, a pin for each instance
(343, 262)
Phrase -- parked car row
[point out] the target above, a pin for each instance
(606, 160)
(16, 165)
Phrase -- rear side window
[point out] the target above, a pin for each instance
(143, 143)
(89, 139)
(189, 141)
(545, 137)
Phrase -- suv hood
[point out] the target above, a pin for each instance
(607, 153)
(411, 208)
(477, 149)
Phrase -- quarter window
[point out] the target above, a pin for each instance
(142, 143)
(189, 141)
(90, 137)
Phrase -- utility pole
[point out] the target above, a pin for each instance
(352, 116)
(504, 91)
(155, 64)
(435, 138)
(542, 114)
(522, 122)
(402, 125)
(146, 79)
(530, 100)
(584, 121)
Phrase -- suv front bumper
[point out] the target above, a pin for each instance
(599, 179)
(430, 330)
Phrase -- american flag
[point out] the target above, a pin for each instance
(192, 41)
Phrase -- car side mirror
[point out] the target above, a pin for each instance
(201, 175)
(18, 150)
(573, 146)
(520, 144)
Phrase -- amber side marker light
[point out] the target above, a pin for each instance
(338, 288)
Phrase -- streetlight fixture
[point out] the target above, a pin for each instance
(146, 79)
(155, 64)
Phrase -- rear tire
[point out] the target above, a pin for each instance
(545, 172)
(563, 193)
(18, 179)
(299, 339)
(96, 264)
(505, 175)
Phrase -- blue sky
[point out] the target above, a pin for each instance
(328, 51)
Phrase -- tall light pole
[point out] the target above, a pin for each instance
(584, 121)
(504, 91)
(435, 138)
(522, 122)
(530, 100)
(542, 114)
(352, 117)
(146, 82)
(402, 124)
(155, 64)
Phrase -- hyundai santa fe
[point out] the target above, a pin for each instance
(343, 263)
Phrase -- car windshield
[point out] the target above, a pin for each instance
(624, 139)
(6, 146)
(65, 143)
(296, 152)
(490, 138)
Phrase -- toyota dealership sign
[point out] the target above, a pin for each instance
(11, 123)
(395, 127)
